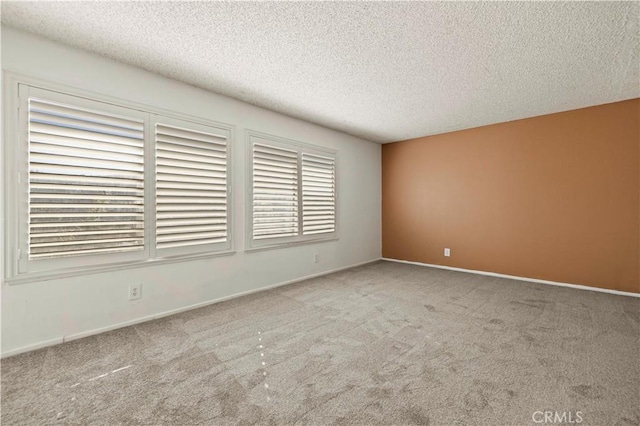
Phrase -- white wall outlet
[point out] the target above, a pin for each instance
(315, 257)
(447, 252)
(135, 291)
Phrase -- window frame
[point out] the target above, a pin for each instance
(251, 244)
(26, 265)
(18, 268)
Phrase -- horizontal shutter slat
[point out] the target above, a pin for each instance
(83, 250)
(87, 161)
(80, 123)
(87, 235)
(92, 242)
(84, 217)
(180, 171)
(190, 148)
(189, 243)
(198, 156)
(210, 197)
(276, 216)
(319, 231)
(116, 137)
(201, 163)
(282, 170)
(69, 182)
(191, 137)
(55, 169)
(82, 227)
(192, 229)
(53, 140)
(191, 215)
(281, 233)
(274, 163)
(260, 150)
(55, 109)
(52, 151)
(316, 175)
(177, 224)
(195, 236)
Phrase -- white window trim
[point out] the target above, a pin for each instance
(13, 177)
(25, 265)
(252, 245)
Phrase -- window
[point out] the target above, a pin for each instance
(275, 192)
(100, 184)
(293, 192)
(318, 194)
(86, 181)
(191, 188)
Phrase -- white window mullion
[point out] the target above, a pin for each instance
(151, 192)
(300, 211)
(22, 178)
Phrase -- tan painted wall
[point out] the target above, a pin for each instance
(554, 197)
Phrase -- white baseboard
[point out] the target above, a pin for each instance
(515, 277)
(92, 332)
(35, 346)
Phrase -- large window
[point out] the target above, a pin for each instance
(85, 180)
(100, 184)
(293, 192)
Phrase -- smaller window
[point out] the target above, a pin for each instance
(191, 188)
(275, 192)
(318, 194)
(293, 192)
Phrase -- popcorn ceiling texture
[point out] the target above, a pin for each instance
(383, 71)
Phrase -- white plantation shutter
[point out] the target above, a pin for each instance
(191, 187)
(275, 192)
(318, 194)
(293, 193)
(86, 181)
(95, 184)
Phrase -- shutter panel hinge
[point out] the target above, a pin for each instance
(19, 253)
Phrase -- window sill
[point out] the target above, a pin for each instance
(74, 272)
(289, 244)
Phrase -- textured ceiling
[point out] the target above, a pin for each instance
(383, 71)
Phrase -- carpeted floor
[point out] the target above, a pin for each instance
(380, 344)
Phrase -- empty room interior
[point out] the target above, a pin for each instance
(320, 213)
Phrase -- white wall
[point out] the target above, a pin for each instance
(41, 313)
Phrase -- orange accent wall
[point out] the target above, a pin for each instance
(555, 197)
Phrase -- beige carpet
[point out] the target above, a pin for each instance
(379, 344)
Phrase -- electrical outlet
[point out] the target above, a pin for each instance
(315, 258)
(135, 291)
(447, 252)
